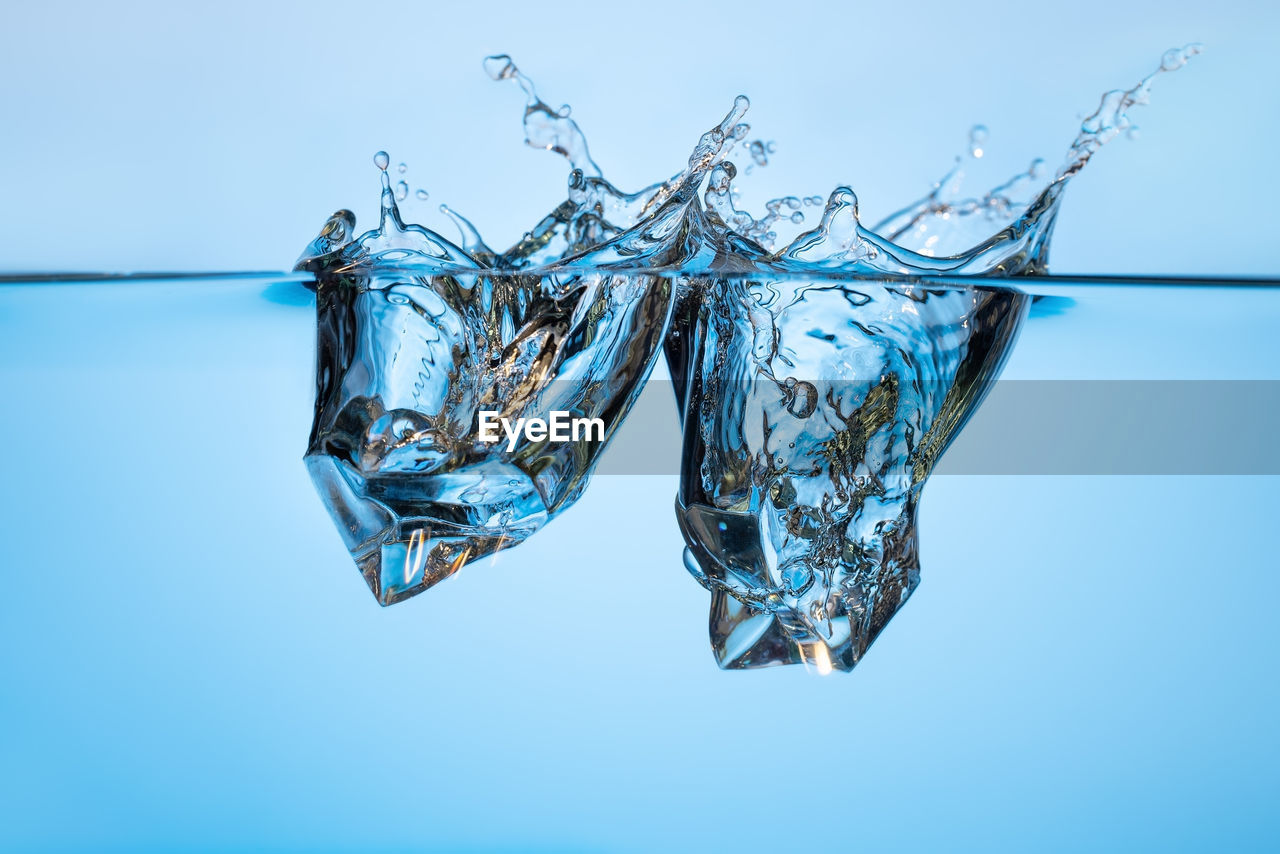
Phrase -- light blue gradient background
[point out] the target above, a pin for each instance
(189, 661)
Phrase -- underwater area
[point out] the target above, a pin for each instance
(186, 629)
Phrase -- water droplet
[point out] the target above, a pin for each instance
(977, 140)
(381, 160)
(402, 168)
(402, 191)
(499, 66)
(421, 195)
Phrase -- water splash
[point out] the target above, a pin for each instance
(1004, 231)
(945, 222)
(1112, 116)
(545, 126)
(817, 387)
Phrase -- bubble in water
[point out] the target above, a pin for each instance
(474, 494)
(801, 397)
(381, 160)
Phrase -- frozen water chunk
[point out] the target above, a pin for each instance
(406, 364)
(814, 410)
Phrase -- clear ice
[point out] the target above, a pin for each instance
(820, 370)
(813, 412)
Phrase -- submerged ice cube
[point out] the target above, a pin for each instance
(406, 363)
(814, 409)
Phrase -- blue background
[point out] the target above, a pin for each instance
(189, 661)
(220, 136)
